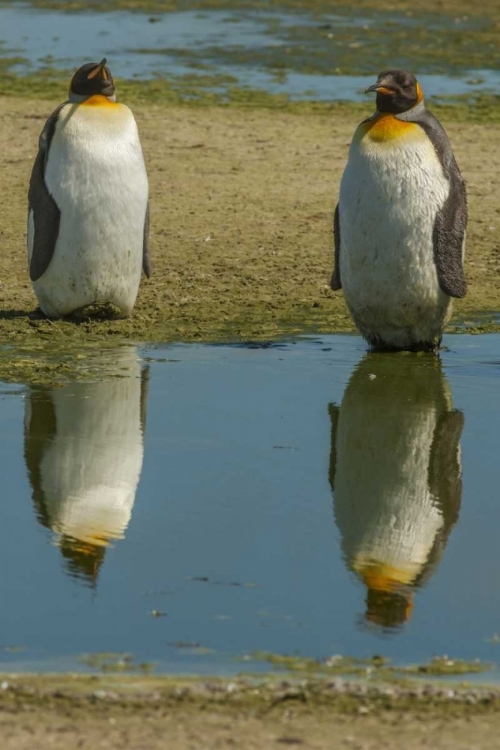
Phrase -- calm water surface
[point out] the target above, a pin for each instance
(298, 497)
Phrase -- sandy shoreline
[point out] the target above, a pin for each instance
(75, 711)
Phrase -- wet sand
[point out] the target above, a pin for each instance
(242, 202)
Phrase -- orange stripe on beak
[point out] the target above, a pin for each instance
(97, 70)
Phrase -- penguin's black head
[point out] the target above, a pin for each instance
(388, 610)
(397, 91)
(91, 79)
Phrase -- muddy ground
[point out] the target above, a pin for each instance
(242, 201)
(152, 713)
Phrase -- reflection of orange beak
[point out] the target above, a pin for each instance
(99, 69)
(89, 548)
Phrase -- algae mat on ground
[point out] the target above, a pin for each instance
(242, 201)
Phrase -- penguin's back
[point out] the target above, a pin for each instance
(391, 191)
(95, 172)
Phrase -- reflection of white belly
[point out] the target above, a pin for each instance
(90, 472)
(383, 506)
(389, 197)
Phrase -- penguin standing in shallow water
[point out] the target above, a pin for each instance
(400, 222)
(88, 220)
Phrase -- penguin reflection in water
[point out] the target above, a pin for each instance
(399, 226)
(395, 474)
(88, 219)
(83, 447)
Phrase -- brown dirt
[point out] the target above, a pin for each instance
(242, 201)
(69, 712)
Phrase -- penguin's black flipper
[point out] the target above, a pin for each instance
(336, 282)
(40, 429)
(451, 221)
(146, 258)
(334, 412)
(445, 475)
(144, 398)
(46, 214)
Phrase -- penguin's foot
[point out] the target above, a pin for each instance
(377, 345)
(97, 311)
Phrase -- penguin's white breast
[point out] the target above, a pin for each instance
(95, 172)
(390, 194)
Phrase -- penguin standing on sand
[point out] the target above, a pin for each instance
(396, 476)
(400, 222)
(88, 220)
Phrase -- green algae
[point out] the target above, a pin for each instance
(114, 662)
(349, 45)
(84, 694)
(213, 89)
(455, 8)
(377, 666)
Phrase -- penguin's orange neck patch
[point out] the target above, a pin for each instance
(98, 100)
(386, 127)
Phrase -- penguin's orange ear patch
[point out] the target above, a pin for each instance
(420, 93)
(93, 73)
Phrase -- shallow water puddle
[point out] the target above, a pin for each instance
(323, 57)
(200, 503)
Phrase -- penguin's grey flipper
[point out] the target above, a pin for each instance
(146, 259)
(334, 412)
(46, 214)
(451, 221)
(336, 282)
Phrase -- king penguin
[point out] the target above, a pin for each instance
(88, 218)
(396, 478)
(83, 448)
(400, 223)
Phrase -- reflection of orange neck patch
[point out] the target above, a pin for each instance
(386, 127)
(98, 100)
(384, 577)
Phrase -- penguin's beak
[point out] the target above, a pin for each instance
(380, 88)
(101, 68)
